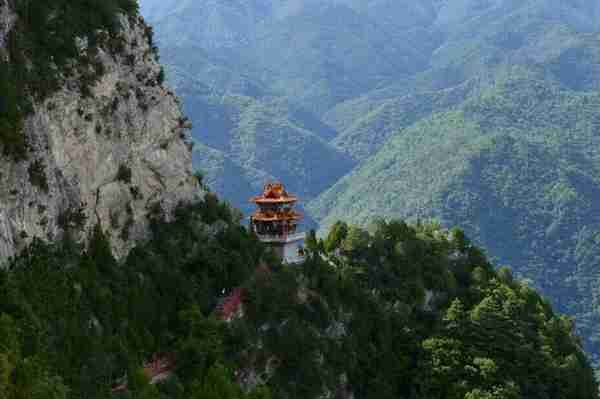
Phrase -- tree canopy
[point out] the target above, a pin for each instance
(400, 311)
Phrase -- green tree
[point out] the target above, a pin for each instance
(356, 241)
(336, 235)
(311, 241)
(217, 384)
(139, 385)
(200, 347)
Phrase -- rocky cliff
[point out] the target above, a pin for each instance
(108, 156)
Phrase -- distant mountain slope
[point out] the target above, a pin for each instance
(367, 134)
(520, 160)
(261, 136)
(242, 133)
(224, 176)
(263, 140)
(315, 53)
(567, 53)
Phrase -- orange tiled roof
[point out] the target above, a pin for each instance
(266, 216)
(274, 193)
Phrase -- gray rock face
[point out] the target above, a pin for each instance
(6, 21)
(112, 156)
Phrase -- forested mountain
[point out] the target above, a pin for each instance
(122, 277)
(398, 311)
(481, 114)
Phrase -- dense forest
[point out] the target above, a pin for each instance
(395, 311)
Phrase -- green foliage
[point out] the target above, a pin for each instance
(72, 218)
(481, 338)
(356, 241)
(74, 320)
(311, 242)
(124, 174)
(11, 122)
(161, 76)
(41, 46)
(78, 313)
(336, 235)
(201, 347)
(139, 386)
(199, 176)
(247, 140)
(217, 384)
(37, 175)
(380, 119)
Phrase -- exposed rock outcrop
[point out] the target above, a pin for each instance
(6, 21)
(110, 156)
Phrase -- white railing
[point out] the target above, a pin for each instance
(294, 259)
(282, 238)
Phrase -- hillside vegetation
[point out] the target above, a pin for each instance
(400, 312)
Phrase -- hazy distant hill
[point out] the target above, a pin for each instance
(480, 113)
(266, 136)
